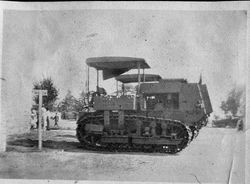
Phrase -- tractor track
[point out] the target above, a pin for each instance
(186, 135)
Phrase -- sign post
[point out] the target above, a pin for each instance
(40, 94)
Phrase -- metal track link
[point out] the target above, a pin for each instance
(118, 147)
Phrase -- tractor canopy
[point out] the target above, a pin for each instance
(115, 66)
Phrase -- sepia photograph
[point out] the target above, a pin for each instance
(107, 92)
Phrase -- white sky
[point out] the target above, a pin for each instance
(176, 44)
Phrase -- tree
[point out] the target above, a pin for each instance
(68, 103)
(81, 103)
(72, 104)
(234, 101)
(49, 100)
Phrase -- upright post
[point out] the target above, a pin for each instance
(88, 80)
(40, 94)
(88, 87)
(117, 88)
(123, 89)
(139, 76)
(143, 75)
(97, 80)
(40, 121)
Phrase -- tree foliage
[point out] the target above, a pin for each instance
(67, 104)
(81, 103)
(234, 102)
(72, 104)
(46, 84)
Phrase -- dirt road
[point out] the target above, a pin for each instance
(216, 155)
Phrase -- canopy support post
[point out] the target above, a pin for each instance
(88, 93)
(143, 75)
(139, 76)
(97, 80)
(123, 89)
(117, 88)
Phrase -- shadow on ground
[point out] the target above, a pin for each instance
(65, 145)
(63, 141)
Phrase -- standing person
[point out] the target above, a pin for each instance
(240, 125)
(33, 120)
(56, 120)
(48, 119)
(44, 117)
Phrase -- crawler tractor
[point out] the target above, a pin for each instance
(163, 115)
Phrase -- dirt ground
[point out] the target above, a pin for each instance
(217, 155)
